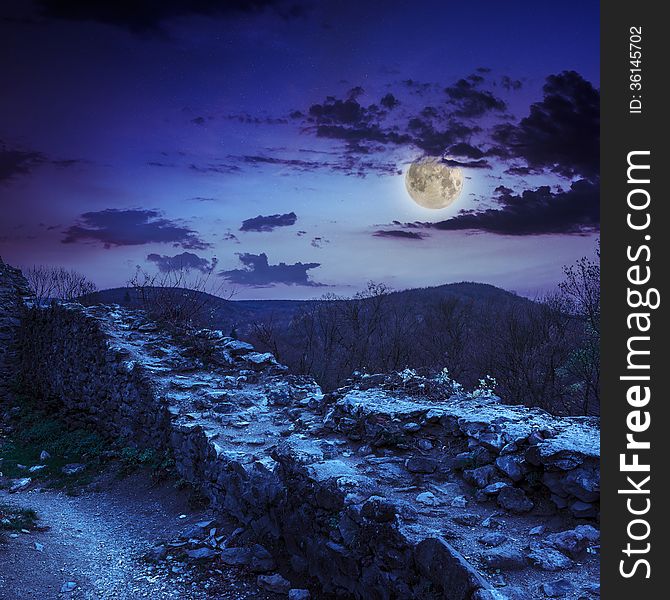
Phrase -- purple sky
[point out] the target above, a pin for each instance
(273, 137)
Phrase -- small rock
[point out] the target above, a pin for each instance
(548, 559)
(261, 560)
(512, 466)
(481, 476)
(20, 484)
(467, 519)
(491, 441)
(514, 500)
(420, 464)
(274, 583)
(44, 456)
(574, 542)
(539, 530)
(492, 539)
(424, 444)
(411, 427)
(378, 509)
(201, 553)
(39, 547)
(73, 468)
(459, 502)
(205, 524)
(236, 556)
(427, 499)
(506, 558)
(68, 586)
(494, 488)
(493, 521)
(583, 510)
(37, 468)
(298, 594)
(556, 589)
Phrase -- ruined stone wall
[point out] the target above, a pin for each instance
(13, 289)
(228, 426)
(378, 490)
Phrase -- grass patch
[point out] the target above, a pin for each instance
(13, 518)
(161, 464)
(35, 430)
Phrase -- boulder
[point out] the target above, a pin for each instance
(513, 466)
(421, 464)
(481, 476)
(514, 500)
(574, 542)
(548, 559)
(505, 558)
(274, 583)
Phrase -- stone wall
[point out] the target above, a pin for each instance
(13, 290)
(379, 490)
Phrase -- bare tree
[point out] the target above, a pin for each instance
(49, 282)
(581, 290)
(178, 297)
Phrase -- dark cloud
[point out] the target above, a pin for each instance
(257, 272)
(143, 16)
(389, 101)
(466, 150)
(433, 134)
(375, 128)
(349, 163)
(418, 88)
(319, 242)
(15, 162)
(510, 84)
(562, 132)
(539, 211)
(257, 120)
(399, 233)
(230, 237)
(198, 120)
(294, 163)
(220, 168)
(269, 222)
(183, 261)
(470, 101)
(134, 227)
(467, 164)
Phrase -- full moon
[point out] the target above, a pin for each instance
(433, 184)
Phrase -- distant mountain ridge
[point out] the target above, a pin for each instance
(224, 314)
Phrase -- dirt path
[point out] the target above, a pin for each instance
(97, 540)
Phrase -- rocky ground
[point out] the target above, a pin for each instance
(96, 545)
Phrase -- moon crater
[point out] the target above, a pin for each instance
(433, 184)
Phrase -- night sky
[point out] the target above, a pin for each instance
(272, 137)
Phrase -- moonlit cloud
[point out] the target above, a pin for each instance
(136, 227)
(257, 272)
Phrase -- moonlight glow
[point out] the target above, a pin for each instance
(433, 184)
